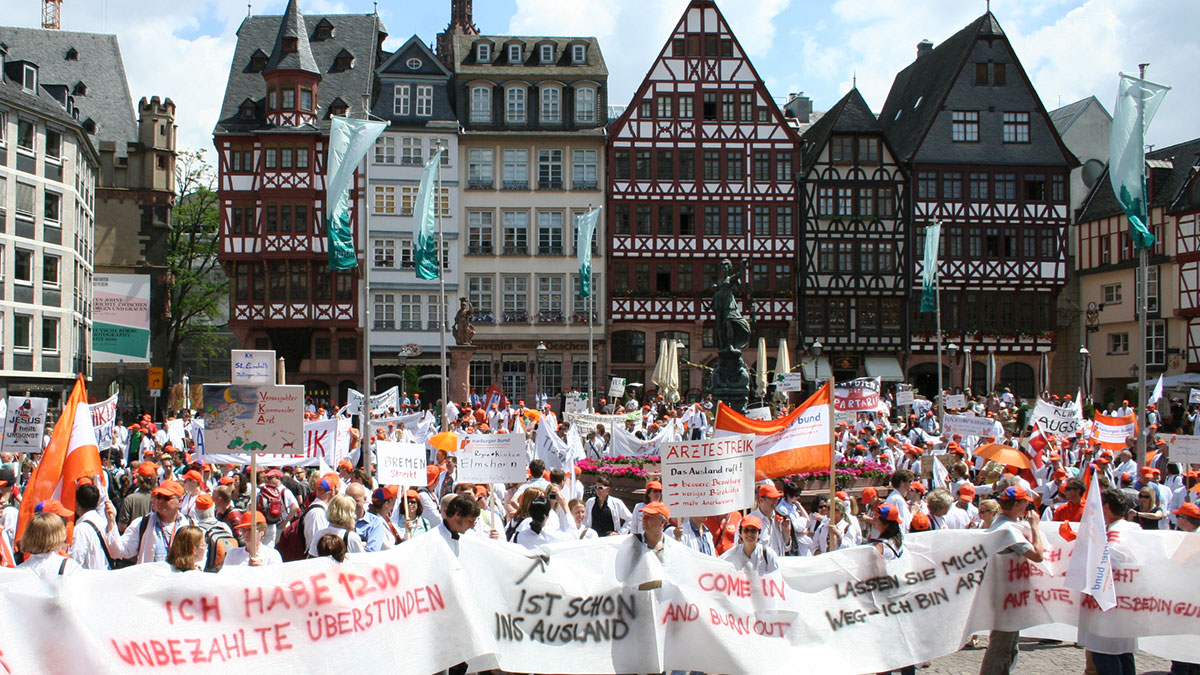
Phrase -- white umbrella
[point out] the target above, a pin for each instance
(761, 367)
(659, 376)
(783, 362)
(672, 387)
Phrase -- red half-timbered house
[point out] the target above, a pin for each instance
(289, 75)
(701, 168)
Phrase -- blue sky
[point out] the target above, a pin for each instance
(1071, 48)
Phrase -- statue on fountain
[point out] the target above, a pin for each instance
(730, 381)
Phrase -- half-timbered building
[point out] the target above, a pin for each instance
(985, 160)
(701, 169)
(289, 75)
(1108, 275)
(855, 284)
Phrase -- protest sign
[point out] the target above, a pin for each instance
(492, 458)
(616, 387)
(253, 418)
(175, 432)
(759, 413)
(1058, 421)
(626, 444)
(388, 401)
(252, 367)
(1194, 396)
(796, 443)
(104, 420)
(968, 425)
(1184, 449)
(321, 442)
(588, 421)
(860, 395)
(576, 402)
(24, 424)
(400, 463)
(1112, 431)
(904, 394)
(708, 477)
(955, 402)
(787, 382)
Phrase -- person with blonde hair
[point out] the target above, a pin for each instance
(44, 539)
(188, 550)
(342, 513)
(520, 517)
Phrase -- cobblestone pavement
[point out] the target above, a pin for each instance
(1036, 659)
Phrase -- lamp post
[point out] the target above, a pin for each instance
(953, 349)
(541, 361)
(404, 377)
(1085, 373)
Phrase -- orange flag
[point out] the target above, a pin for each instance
(797, 443)
(72, 454)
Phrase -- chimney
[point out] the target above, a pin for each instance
(923, 48)
(798, 106)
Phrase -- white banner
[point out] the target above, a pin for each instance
(1060, 422)
(904, 394)
(589, 607)
(760, 413)
(492, 458)
(625, 444)
(104, 420)
(1114, 430)
(587, 422)
(175, 433)
(252, 367)
(388, 401)
(1184, 449)
(400, 463)
(708, 477)
(616, 387)
(968, 425)
(955, 402)
(24, 424)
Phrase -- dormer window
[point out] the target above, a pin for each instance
(579, 54)
(29, 77)
(547, 54)
(483, 53)
(323, 31)
(290, 45)
(80, 89)
(514, 54)
(246, 111)
(338, 107)
(343, 61)
(258, 61)
(72, 54)
(89, 125)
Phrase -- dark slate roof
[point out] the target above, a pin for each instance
(928, 79)
(465, 63)
(292, 26)
(360, 34)
(1065, 116)
(851, 115)
(396, 62)
(1167, 184)
(98, 66)
(394, 70)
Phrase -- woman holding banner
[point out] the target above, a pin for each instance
(749, 552)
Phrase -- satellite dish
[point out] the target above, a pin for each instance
(1091, 171)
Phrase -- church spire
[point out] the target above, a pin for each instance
(462, 22)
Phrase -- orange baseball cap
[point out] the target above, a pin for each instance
(889, 512)
(654, 485)
(345, 464)
(193, 475)
(1188, 509)
(919, 522)
(431, 473)
(657, 508)
(1014, 492)
(148, 469)
(328, 483)
(54, 506)
(752, 521)
(967, 490)
(412, 494)
(204, 502)
(869, 493)
(384, 493)
(168, 488)
(252, 518)
(769, 491)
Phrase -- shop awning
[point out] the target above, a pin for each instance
(816, 369)
(886, 368)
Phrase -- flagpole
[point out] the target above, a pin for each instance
(937, 297)
(832, 464)
(437, 196)
(1143, 265)
(368, 386)
(591, 308)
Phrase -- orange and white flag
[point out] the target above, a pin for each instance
(72, 454)
(797, 443)
(1112, 431)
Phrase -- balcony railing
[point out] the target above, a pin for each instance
(384, 324)
(514, 250)
(550, 250)
(585, 185)
(410, 325)
(516, 317)
(550, 185)
(481, 250)
(516, 185)
(412, 161)
(479, 184)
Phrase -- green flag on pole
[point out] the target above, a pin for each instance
(349, 141)
(1137, 100)
(585, 226)
(929, 268)
(425, 246)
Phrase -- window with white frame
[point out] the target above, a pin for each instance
(551, 105)
(480, 167)
(385, 253)
(400, 104)
(516, 298)
(22, 332)
(434, 144)
(50, 270)
(550, 169)
(580, 372)
(385, 311)
(483, 52)
(516, 169)
(578, 54)
(26, 198)
(406, 254)
(385, 150)
(52, 207)
(3, 120)
(1016, 127)
(1151, 288)
(585, 105)
(579, 304)
(480, 294)
(481, 375)
(410, 311)
(515, 104)
(53, 144)
(516, 233)
(550, 299)
(514, 54)
(575, 216)
(25, 135)
(585, 169)
(550, 375)
(1156, 342)
(385, 199)
(29, 81)
(480, 233)
(23, 266)
(434, 313)
(412, 151)
(424, 101)
(1111, 294)
(547, 54)
(408, 199)
(1118, 343)
(550, 232)
(481, 104)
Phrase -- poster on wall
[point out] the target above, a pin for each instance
(121, 318)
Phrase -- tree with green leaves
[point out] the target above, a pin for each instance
(199, 289)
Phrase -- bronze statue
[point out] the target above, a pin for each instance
(732, 329)
(463, 330)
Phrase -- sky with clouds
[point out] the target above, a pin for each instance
(1070, 48)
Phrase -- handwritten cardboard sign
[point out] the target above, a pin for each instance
(252, 367)
(24, 424)
(492, 458)
(253, 418)
(708, 477)
(400, 463)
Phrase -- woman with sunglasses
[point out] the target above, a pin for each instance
(412, 521)
(749, 552)
(1147, 512)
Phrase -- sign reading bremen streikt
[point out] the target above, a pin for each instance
(248, 418)
(709, 477)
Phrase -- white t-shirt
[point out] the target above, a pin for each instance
(353, 543)
(267, 555)
(49, 566)
(315, 521)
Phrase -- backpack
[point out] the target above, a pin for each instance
(270, 503)
(219, 542)
(291, 544)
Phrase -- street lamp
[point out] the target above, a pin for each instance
(953, 349)
(541, 360)
(403, 356)
(1085, 375)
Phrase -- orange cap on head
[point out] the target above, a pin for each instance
(193, 475)
(431, 473)
(328, 483)
(919, 522)
(412, 494)
(966, 490)
(53, 506)
(869, 493)
(168, 488)
(657, 509)
(1188, 509)
(204, 502)
(769, 491)
(654, 485)
(251, 518)
(753, 522)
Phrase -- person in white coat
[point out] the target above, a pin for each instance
(749, 553)
(605, 515)
(95, 532)
(45, 537)
(148, 539)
